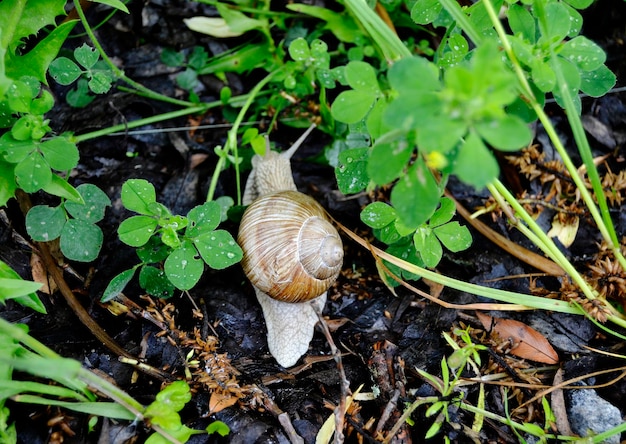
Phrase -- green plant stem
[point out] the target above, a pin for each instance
(462, 20)
(547, 245)
(506, 421)
(231, 140)
(142, 122)
(602, 217)
(488, 292)
(389, 43)
(95, 382)
(120, 74)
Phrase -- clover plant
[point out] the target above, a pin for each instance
(73, 222)
(92, 75)
(184, 243)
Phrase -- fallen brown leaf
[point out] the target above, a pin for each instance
(526, 342)
(219, 401)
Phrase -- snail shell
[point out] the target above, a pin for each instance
(291, 251)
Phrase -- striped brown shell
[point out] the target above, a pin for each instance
(291, 251)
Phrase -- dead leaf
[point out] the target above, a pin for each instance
(219, 401)
(40, 275)
(527, 343)
(565, 233)
(327, 430)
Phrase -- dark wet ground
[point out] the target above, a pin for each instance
(384, 338)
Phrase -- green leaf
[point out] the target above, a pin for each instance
(522, 22)
(557, 22)
(20, 96)
(378, 215)
(362, 77)
(79, 97)
(14, 288)
(440, 134)
(42, 104)
(153, 251)
(508, 133)
(60, 153)
(218, 249)
(100, 82)
(7, 182)
(340, 24)
(183, 267)
(597, 83)
(15, 150)
(28, 297)
(424, 12)
(444, 213)
(155, 282)
(580, 4)
(351, 170)
(237, 21)
(20, 19)
(60, 187)
(94, 206)
(583, 53)
(475, 165)
(172, 58)
(404, 250)
(352, 106)
(117, 285)
(64, 71)
(35, 62)
(428, 247)
(198, 58)
(299, 50)
(218, 427)
(387, 161)
(137, 230)
(416, 195)
(44, 223)
(117, 4)
(575, 20)
(543, 75)
(203, 219)
(454, 236)
(33, 173)
(163, 416)
(414, 74)
(137, 195)
(86, 55)
(572, 82)
(175, 395)
(81, 241)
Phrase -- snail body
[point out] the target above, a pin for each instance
(292, 253)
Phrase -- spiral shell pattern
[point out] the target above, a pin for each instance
(291, 251)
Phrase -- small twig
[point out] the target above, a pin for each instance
(340, 410)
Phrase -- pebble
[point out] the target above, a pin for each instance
(589, 414)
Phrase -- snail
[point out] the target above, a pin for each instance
(292, 254)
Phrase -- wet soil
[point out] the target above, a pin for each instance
(384, 338)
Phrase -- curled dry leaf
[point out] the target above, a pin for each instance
(527, 343)
(40, 275)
